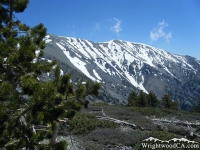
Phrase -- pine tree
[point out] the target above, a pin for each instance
(168, 103)
(152, 100)
(142, 99)
(197, 107)
(29, 108)
(132, 99)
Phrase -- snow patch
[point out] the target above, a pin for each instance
(49, 60)
(97, 75)
(47, 39)
(61, 47)
(18, 45)
(61, 72)
(113, 85)
(37, 52)
(54, 66)
(148, 71)
(132, 80)
(34, 60)
(79, 64)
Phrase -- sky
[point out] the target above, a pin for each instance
(171, 25)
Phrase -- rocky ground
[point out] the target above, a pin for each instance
(149, 122)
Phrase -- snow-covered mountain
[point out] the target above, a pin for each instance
(122, 66)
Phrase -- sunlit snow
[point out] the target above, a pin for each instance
(96, 75)
(47, 39)
(37, 52)
(79, 64)
(61, 72)
(115, 57)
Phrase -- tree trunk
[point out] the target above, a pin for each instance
(55, 133)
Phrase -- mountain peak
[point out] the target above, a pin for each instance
(118, 64)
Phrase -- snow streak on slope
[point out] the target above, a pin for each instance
(96, 74)
(118, 64)
(47, 39)
(120, 59)
(112, 59)
(77, 62)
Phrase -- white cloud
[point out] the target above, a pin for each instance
(159, 32)
(168, 36)
(117, 26)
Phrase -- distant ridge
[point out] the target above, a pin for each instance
(122, 66)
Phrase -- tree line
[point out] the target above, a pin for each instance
(151, 100)
(197, 107)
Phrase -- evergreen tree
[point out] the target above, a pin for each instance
(197, 107)
(152, 100)
(30, 109)
(132, 99)
(142, 99)
(168, 103)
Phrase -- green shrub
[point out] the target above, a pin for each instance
(162, 135)
(82, 123)
(104, 137)
(62, 145)
(178, 130)
(100, 104)
(150, 111)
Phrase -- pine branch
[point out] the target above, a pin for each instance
(11, 14)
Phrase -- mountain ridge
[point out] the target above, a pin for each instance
(122, 66)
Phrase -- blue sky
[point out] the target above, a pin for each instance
(172, 25)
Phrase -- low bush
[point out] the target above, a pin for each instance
(98, 134)
(178, 130)
(61, 145)
(100, 104)
(162, 135)
(150, 111)
(104, 137)
(83, 123)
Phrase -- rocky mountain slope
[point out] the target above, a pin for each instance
(122, 66)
